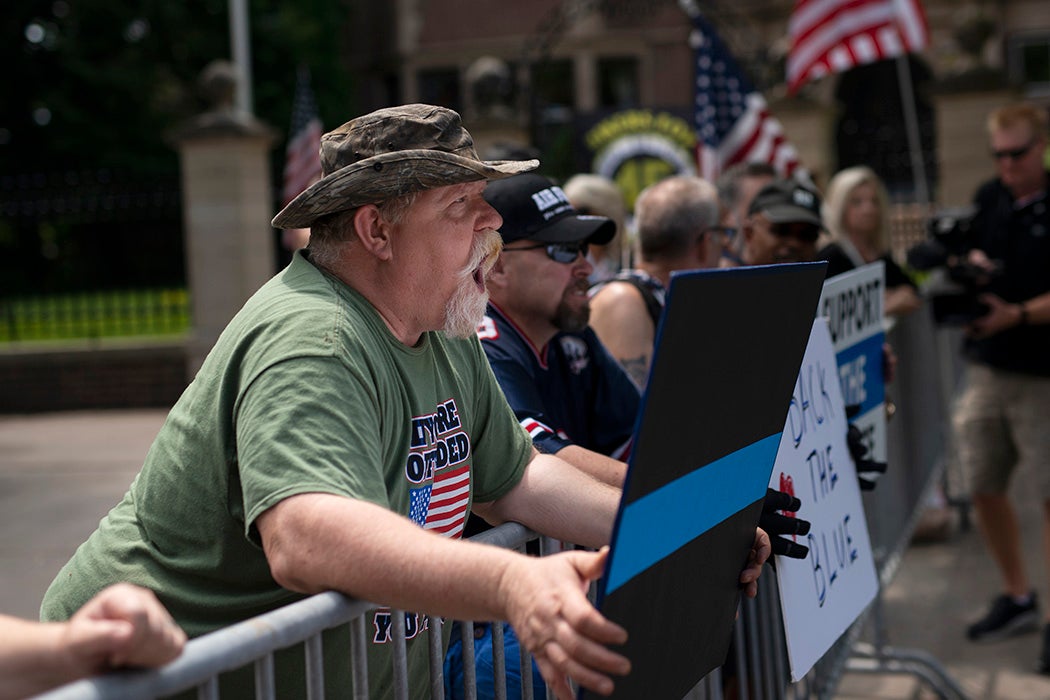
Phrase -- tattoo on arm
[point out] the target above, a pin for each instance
(637, 368)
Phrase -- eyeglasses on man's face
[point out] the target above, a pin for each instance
(1013, 153)
(564, 253)
(807, 233)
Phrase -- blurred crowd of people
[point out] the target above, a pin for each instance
(348, 413)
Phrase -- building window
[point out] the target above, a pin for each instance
(618, 82)
(440, 86)
(553, 86)
(551, 109)
(1029, 62)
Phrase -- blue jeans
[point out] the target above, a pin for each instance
(484, 667)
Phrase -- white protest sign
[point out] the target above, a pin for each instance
(852, 303)
(824, 593)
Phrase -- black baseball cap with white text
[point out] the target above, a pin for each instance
(534, 208)
(787, 202)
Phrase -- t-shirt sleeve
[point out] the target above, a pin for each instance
(502, 448)
(307, 425)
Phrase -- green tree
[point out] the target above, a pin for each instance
(94, 87)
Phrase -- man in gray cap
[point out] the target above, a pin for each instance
(782, 224)
(334, 432)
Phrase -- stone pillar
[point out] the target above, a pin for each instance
(227, 205)
(498, 132)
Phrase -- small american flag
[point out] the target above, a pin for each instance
(302, 165)
(441, 505)
(732, 121)
(831, 36)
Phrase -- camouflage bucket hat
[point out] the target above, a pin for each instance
(389, 153)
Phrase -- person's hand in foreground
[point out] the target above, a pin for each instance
(760, 551)
(780, 526)
(565, 634)
(123, 625)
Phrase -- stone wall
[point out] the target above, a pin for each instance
(92, 376)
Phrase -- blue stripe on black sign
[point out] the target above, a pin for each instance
(664, 520)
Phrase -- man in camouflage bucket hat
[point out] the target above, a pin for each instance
(391, 153)
(336, 439)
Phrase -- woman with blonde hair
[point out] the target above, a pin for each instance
(856, 215)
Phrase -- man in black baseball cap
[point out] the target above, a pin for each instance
(541, 278)
(782, 224)
(535, 333)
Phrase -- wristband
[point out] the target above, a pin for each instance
(1024, 315)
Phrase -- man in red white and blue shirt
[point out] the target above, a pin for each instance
(571, 395)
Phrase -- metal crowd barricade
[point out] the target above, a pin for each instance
(254, 642)
(758, 669)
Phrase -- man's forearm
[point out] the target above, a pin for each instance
(605, 469)
(1036, 311)
(558, 500)
(318, 542)
(31, 657)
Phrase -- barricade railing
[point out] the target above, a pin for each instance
(253, 642)
(758, 668)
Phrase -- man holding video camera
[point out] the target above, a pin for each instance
(999, 419)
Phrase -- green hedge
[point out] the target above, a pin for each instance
(95, 315)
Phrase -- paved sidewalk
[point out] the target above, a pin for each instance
(938, 590)
(60, 473)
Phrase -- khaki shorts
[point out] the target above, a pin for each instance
(1002, 421)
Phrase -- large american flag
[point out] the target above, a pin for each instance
(830, 36)
(733, 123)
(302, 164)
(441, 505)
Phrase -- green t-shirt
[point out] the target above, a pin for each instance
(305, 391)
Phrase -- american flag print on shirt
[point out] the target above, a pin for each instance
(438, 471)
(441, 506)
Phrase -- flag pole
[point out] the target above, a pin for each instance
(240, 44)
(911, 124)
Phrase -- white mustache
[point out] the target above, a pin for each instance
(484, 253)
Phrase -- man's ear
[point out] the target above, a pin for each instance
(701, 246)
(373, 231)
(747, 230)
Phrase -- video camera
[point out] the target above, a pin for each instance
(956, 284)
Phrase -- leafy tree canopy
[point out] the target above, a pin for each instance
(96, 85)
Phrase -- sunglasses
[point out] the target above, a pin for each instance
(1013, 153)
(807, 233)
(564, 253)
